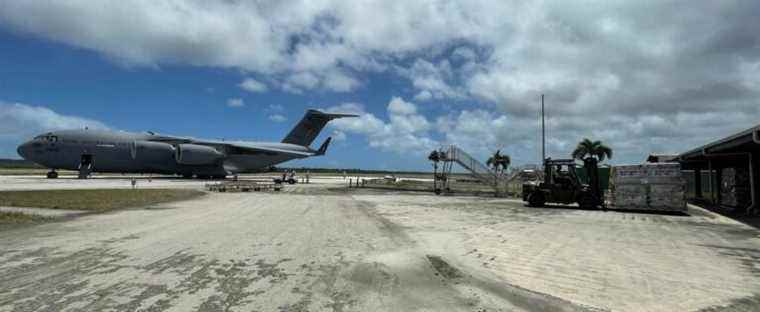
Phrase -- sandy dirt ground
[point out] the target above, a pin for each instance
(320, 247)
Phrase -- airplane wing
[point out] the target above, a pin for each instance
(251, 148)
(236, 146)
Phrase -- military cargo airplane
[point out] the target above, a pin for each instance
(89, 150)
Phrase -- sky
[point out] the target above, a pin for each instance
(642, 76)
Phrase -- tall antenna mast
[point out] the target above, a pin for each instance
(543, 132)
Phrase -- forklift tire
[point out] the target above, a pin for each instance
(587, 202)
(536, 200)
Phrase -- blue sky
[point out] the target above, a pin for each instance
(178, 99)
(643, 77)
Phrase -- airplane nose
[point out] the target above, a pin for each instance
(23, 150)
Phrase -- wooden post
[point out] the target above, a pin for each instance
(754, 188)
(710, 180)
(718, 185)
(698, 183)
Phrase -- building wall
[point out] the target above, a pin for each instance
(690, 187)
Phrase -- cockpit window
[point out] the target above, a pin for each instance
(46, 137)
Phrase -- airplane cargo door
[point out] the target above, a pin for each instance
(85, 166)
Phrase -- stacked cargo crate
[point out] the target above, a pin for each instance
(656, 186)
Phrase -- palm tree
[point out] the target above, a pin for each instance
(435, 157)
(499, 161)
(505, 161)
(592, 149)
(592, 153)
(493, 161)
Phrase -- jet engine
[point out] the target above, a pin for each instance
(193, 154)
(151, 152)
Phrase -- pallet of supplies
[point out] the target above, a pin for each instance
(656, 187)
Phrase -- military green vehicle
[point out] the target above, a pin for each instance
(561, 185)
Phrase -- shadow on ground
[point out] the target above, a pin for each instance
(731, 213)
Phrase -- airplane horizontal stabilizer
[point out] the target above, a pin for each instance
(323, 149)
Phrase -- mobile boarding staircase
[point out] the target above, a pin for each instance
(478, 170)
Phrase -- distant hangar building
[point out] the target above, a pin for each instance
(731, 168)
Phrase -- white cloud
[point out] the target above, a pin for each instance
(481, 132)
(333, 80)
(297, 82)
(406, 132)
(434, 81)
(398, 106)
(20, 122)
(338, 135)
(618, 61)
(251, 85)
(464, 53)
(235, 102)
(277, 118)
(423, 95)
(339, 82)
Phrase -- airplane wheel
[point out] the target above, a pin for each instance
(52, 175)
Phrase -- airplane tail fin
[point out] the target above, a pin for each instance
(309, 127)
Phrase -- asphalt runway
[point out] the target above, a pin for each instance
(320, 248)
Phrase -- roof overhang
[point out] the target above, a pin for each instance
(728, 150)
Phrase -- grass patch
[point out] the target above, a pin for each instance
(21, 218)
(32, 171)
(94, 200)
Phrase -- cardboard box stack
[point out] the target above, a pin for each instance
(656, 186)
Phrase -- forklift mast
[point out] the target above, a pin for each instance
(592, 170)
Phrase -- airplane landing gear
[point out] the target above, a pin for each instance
(52, 174)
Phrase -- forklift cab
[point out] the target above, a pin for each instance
(560, 180)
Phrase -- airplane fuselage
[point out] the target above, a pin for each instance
(126, 152)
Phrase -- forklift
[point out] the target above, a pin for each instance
(561, 185)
